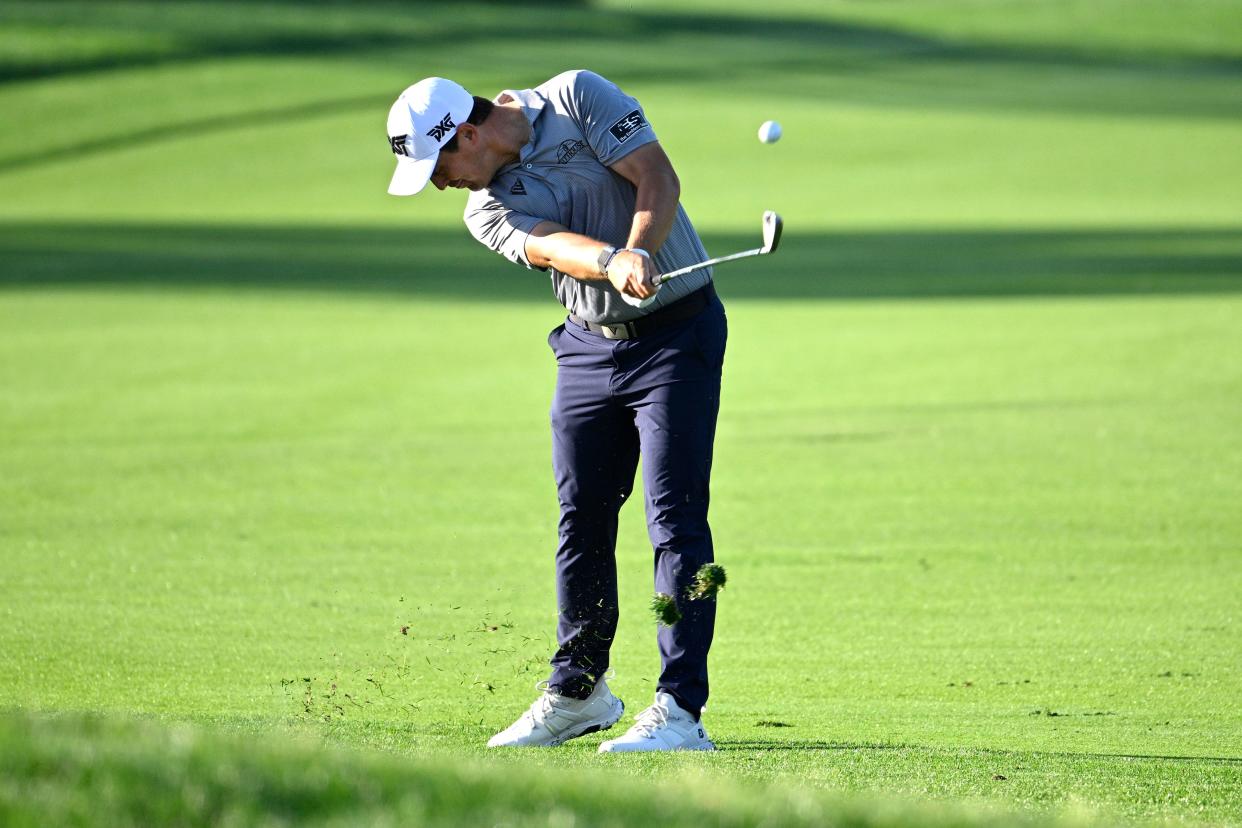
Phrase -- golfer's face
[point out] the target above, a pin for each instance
(462, 169)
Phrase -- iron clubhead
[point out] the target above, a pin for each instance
(771, 231)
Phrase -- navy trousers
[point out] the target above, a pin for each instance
(656, 395)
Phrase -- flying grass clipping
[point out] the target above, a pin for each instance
(708, 582)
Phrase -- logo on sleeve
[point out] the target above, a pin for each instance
(518, 188)
(441, 129)
(397, 142)
(568, 149)
(627, 126)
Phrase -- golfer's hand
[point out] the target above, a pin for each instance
(633, 273)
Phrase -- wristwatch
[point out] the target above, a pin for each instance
(605, 258)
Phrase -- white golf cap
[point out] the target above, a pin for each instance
(423, 119)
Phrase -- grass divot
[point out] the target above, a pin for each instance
(708, 581)
(664, 607)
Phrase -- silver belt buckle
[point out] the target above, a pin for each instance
(619, 331)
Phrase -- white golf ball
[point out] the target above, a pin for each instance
(770, 132)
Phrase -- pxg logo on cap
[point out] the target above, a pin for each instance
(421, 121)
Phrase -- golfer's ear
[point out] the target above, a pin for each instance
(468, 132)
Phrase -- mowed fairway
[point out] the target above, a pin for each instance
(274, 453)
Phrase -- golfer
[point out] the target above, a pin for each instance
(569, 178)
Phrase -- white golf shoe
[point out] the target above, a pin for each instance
(663, 726)
(554, 719)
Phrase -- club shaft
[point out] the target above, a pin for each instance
(683, 271)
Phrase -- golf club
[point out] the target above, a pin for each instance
(771, 238)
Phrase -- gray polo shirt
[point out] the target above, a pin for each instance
(580, 123)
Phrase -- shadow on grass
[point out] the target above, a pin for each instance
(194, 31)
(448, 264)
(877, 64)
(137, 138)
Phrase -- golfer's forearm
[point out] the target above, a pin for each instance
(570, 253)
(655, 208)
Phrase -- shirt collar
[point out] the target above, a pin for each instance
(532, 106)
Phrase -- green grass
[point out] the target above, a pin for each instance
(77, 770)
(274, 450)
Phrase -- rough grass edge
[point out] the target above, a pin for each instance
(79, 769)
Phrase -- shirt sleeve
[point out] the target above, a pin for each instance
(497, 226)
(611, 121)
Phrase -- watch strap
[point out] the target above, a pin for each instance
(605, 258)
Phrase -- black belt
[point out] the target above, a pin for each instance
(685, 308)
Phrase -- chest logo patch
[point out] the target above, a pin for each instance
(518, 188)
(623, 129)
(568, 149)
